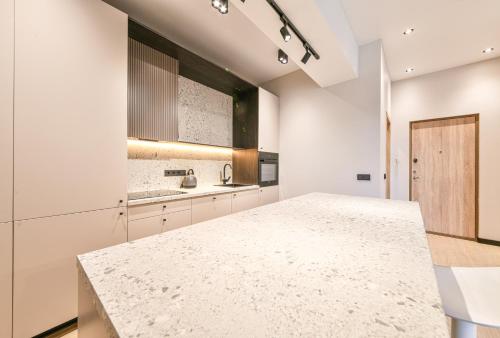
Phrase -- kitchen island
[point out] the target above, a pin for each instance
(315, 265)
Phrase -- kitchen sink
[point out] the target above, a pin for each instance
(232, 185)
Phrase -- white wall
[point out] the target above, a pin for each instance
(385, 110)
(328, 135)
(464, 90)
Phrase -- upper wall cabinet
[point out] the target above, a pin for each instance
(175, 95)
(164, 106)
(70, 131)
(269, 111)
(6, 107)
(205, 115)
(246, 119)
(152, 93)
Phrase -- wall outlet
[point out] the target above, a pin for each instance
(175, 173)
(364, 177)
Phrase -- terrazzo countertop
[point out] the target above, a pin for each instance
(317, 265)
(191, 193)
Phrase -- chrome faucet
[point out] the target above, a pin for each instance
(224, 179)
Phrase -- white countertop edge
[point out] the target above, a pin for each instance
(192, 193)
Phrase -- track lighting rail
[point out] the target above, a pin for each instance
(294, 29)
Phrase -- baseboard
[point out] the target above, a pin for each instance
(59, 330)
(451, 236)
(488, 241)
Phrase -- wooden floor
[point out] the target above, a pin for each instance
(452, 252)
(457, 252)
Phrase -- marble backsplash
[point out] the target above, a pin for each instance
(147, 175)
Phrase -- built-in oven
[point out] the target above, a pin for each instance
(268, 169)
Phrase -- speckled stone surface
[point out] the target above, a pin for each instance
(146, 175)
(192, 193)
(205, 115)
(317, 265)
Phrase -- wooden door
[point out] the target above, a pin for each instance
(70, 126)
(45, 272)
(388, 158)
(443, 174)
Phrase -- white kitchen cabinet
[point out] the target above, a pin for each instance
(70, 129)
(177, 220)
(5, 279)
(152, 219)
(269, 195)
(269, 113)
(145, 227)
(155, 209)
(45, 274)
(245, 200)
(205, 208)
(6, 108)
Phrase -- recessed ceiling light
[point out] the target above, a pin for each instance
(408, 31)
(488, 50)
(409, 70)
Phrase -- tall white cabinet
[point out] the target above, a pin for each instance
(70, 132)
(45, 273)
(5, 279)
(70, 150)
(6, 107)
(6, 158)
(269, 113)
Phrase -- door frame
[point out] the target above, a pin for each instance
(388, 162)
(476, 164)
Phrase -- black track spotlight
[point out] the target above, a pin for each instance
(221, 5)
(282, 57)
(284, 31)
(306, 56)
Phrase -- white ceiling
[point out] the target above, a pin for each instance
(231, 41)
(448, 33)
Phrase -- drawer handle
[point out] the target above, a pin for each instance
(121, 201)
(164, 207)
(121, 213)
(234, 195)
(214, 198)
(164, 220)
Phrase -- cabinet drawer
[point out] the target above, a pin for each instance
(156, 209)
(245, 200)
(145, 211)
(180, 205)
(205, 208)
(177, 220)
(145, 227)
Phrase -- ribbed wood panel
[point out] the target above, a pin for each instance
(152, 93)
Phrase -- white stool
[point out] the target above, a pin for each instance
(470, 296)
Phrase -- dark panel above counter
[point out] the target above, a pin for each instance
(191, 65)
